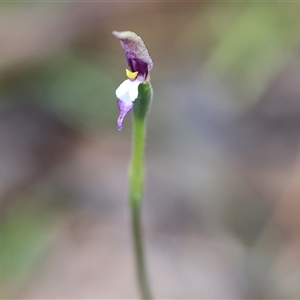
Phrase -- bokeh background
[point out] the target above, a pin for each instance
(222, 204)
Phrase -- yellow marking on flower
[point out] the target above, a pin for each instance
(131, 75)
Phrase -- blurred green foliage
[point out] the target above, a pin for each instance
(24, 236)
(80, 93)
(246, 44)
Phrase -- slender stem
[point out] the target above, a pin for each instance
(136, 186)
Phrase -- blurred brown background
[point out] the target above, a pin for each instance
(222, 204)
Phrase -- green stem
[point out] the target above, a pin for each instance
(136, 186)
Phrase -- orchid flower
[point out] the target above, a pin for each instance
(136, 94)
(139, 64)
